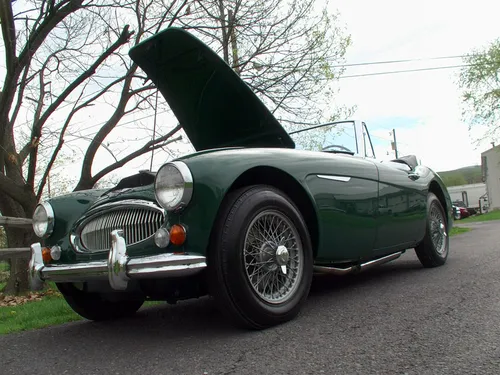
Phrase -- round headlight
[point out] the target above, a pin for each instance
(43, 220)
(174, 186)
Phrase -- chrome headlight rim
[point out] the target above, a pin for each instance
(49, 211)
(187, 193)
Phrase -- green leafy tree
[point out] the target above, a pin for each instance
(480, 83)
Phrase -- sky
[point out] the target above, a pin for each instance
(423, 107)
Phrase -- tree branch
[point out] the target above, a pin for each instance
(51, 20)
(37, 126)
(60, 144)
(22, 86)
(103, 132)
(149, 146)
(9, 34)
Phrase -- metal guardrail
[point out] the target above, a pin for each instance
(16, 222)
(19, 222)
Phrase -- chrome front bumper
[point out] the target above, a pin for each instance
(118, 269)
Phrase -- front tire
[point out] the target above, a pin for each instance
(260, 260)
(433, 250)
(92, 306)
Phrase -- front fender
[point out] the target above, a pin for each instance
(212, 180)
(215, 171)
(67, 209)
(437, 180)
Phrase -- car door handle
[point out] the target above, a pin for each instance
(413, 176)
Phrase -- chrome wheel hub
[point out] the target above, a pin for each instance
(282, 257)
(273, 256)
(439, 234)
(442, 230)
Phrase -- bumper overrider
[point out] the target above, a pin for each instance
(118, 269)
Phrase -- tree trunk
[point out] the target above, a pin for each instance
(84, 184)
(18, 282)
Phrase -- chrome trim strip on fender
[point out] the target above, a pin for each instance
(334, 178)
(118, 269)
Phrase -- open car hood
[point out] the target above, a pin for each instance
(213, 104)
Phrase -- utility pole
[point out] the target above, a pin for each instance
(394, 144)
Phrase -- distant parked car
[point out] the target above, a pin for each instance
(460, 212)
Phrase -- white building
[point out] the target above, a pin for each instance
(490, 165)
(469, 194)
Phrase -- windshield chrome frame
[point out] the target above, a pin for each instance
(360, 128)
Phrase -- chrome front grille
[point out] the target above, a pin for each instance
(138, 222)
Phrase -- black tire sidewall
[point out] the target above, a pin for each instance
(426, 250)
(91, 306)
(235, 278)
(433, 200)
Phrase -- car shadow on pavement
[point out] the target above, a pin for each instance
(200, 318)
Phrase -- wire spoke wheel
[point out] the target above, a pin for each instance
(273, 256)
(438, 229)
(261, 258)
(433, 250)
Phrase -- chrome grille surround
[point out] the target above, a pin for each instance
(139, 220)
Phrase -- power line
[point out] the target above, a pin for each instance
(399, 61)
(406, 71)
(335, 66)
(349, 76)
(341, 77)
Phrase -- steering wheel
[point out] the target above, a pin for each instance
(339, 146)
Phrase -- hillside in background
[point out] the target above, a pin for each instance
(462, 176)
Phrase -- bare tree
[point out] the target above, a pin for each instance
(67, 59)
(63, 57)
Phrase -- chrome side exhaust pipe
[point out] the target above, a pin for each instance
(357, 268)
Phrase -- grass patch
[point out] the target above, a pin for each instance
(51, 310)
(489, 216)
(4, 274)
(4, 267)
(458, 230)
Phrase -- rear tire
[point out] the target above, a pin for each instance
(260, 258)
(433, 250)
(92, 306)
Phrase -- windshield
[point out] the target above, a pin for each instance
(339, 137)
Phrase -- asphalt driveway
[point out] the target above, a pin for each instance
(396, 319)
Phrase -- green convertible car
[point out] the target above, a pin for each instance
(248, 218)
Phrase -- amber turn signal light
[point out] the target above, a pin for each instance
(46, 255)
(177, 234)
